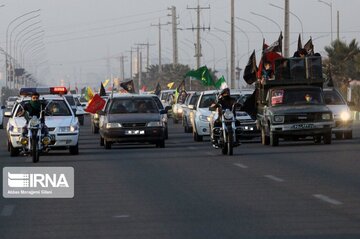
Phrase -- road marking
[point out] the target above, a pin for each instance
(210, 153)
(7, 210)
(327, 199)
(191, 147)
(240, 165)
(274, 178)
(121, 216)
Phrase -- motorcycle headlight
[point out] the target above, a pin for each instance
(113, 125)
(34, 122)
(180, 110)
(203, 118)
(279, 119)
(326, 116)
(345, 116)
(228, 115)
(154, 124)
(96, 116)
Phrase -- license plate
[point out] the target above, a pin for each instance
(303, 126)
(135, 132)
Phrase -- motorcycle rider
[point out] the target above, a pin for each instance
(33, 108)
(226, 102)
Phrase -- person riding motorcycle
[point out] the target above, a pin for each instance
(226, 102)
(33, 108)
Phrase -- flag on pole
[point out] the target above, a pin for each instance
(102, 90)
(202, 74)
(250, 69)
(89, 94)
(157, 89)
(299, 47)
(309, 47)
(170, 85)
(221, 83)
(106, 82)
(180, 88)
(95, 104)
(128, 86)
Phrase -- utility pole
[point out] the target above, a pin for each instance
(174, 33)
(131, 62)
(232, 45)
(147, 53)
(338, 26)
(159, 25)
(198, 54)
(286, 29)
(122, 68)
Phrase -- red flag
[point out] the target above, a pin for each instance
(95, 104)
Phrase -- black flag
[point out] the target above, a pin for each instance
(128, 86)
(157, 89)
(299, 43)
(102, 90)
(309, 47)
(276, 46)
(250, 70)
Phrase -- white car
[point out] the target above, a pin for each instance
(11, 101)
(76, 107)
(341, 112)
(187, 109)
(63, 125)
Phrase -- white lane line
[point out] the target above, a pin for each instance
(7, 210)
(191, 147)
(327, 199)
(274, 178)
(240, 165)
(121, 216)
(210, 153)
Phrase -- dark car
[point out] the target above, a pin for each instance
(132, 119)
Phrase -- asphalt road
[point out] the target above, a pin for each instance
(189, 190)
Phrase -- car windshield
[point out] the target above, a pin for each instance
(295, 97)
(207, 100)
(333, 98)
(53, 108)
(141, 105)
(70, 100)
(194, 99)
(12, 98)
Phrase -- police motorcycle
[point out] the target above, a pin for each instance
(227, 136)
(36, 142)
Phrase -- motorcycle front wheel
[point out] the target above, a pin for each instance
(35, 149)
(230, 143)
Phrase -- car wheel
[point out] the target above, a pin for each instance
(348, 135)
(327, 138)
(94, 129)
(74, 150)
(274, 139)
(339, 135)
(197, 137)
(160, 144)
(101, 141)
(107, 144)
(317, 139)
(13, 151)
(1, 126)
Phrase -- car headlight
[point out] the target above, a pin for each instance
(64, 129)
(203, 118)
(180, 110)
(96, 116)
(326, 116)
(154, 124)
(279, 119)
(14, 129)
(113, 125)
(74, 128)
(228, 115)
(345, 116)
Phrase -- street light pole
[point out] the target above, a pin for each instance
(277, 24)
(242, 19)
(331, 17)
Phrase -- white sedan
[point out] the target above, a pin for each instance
(62, 124)
(2, 117)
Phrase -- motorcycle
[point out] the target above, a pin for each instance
(227, 136)
(36, 141)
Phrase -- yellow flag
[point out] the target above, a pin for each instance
(170, 85)
(106, 82)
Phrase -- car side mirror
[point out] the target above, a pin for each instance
(162, 112)
(167, 108)
(8, 114)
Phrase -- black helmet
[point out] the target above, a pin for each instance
(225, 91)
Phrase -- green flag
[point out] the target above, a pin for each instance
(203, 75)
(221, 83)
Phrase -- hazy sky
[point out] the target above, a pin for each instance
(82, 37)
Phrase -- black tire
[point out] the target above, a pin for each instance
(74, 150)
(265, 140)
(175, 120)
(327, 138)
(230, 143)
(107, 144)
(94, 129)
(317, 139)
(166, 133)
(160, 144)
(348, 135)
(35, 152)
(197, 137)
(13, 151)
(274, 139)
(339, 135)
(101, 141)
(81, 120)
(1, 126)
